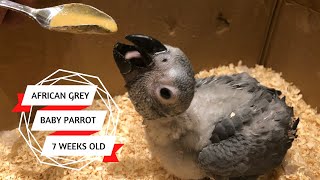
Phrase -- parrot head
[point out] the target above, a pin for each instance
(159, 78)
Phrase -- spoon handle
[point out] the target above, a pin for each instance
(16, 7)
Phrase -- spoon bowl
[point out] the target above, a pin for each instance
(72, 18)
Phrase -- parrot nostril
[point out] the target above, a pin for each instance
(165, 93)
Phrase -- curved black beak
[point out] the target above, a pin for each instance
(147, 43)
(144, 46)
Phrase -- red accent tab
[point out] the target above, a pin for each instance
(73, 133)
(113, 157)
(62, 108)
(19, 107)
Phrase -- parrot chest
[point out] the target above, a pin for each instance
(169, 142)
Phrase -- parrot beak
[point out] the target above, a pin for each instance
(137, 56)
(147, 44)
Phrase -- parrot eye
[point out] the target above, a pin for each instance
(165, 93)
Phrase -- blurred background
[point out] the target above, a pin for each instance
(282, 34)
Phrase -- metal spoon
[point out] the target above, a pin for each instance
(72, 18)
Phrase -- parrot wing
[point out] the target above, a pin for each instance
(242, 142)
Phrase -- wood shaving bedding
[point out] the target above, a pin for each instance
(301, 162)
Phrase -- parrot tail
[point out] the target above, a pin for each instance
(294, 128)
(293, 131)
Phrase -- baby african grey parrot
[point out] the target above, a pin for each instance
(222, 127)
